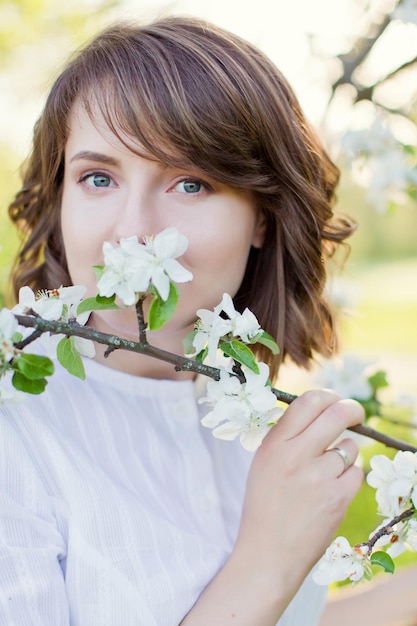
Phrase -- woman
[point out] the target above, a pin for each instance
(119, 508)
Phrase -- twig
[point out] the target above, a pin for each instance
(397, 422)
(141, 321)
(391, 442)
(388, 528)
(28, 340)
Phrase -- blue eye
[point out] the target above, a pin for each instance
(97, 179)
(100, 180)
(190, 186)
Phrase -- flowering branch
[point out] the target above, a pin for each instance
(241, 398)
(73, 329)
(180, 363)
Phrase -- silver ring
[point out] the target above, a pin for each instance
(343, 455)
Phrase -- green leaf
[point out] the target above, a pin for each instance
(17, 337)
(160, 310)
(188, 342)
(268, 341)
(22, 383)
(69, 357)
(383, 560)
(99, 303)
(33, 366)
(98, 271)
(378, 380)
(201, 356)
(241, 353)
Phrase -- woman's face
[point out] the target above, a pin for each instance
(110, 193)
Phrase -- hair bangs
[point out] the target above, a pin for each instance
(189, 111)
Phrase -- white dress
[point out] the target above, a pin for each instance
(116, 506)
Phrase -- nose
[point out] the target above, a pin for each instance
(135, 216)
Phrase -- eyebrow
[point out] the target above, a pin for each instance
(87, 155)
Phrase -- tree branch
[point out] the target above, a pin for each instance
(117, 343)
(366, 93)
(180, 363)
(360, 50)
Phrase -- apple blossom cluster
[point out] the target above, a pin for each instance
(241, 406)
(132, 267)
(395, 482)
(348, 376)
(25, 372)
(57, 305)
(342, 561)
(354, 377)
(247, 409)
(382, 163)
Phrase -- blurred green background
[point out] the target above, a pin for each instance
(380, 277)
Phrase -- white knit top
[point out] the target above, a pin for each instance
(116, 506)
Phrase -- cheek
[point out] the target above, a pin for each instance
(219, 265)
(82, 253)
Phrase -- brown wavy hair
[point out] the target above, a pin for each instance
(193, 94)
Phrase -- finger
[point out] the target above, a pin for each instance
(351, 481)
(331, 423)
(340, 458)
(304, 410)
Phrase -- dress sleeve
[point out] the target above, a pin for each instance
(32, 586)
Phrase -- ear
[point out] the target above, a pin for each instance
(259, 231)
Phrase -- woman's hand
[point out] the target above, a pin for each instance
(297, 495)
(298, 490)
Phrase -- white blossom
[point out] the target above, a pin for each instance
(123, 274)
(390, 175)
(8, 327)
(377, 139)
(46, 306)
(380, 163)
(52, 304)
(71, 298)
(163, 267)
(133, 266)
(211, 326)
(341, 561)
(244, 325)
(347, 376)
(395, 481)
(246, 409)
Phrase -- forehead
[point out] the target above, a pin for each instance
(88, 129)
